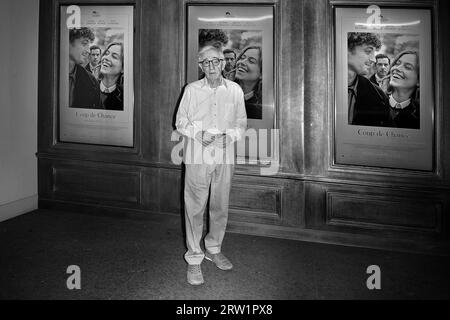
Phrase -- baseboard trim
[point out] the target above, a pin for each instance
(16, 208)
(341, 239)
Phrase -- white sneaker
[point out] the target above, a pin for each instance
(194, 274)
(220, 260)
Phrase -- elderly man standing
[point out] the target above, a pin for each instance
(212, 117)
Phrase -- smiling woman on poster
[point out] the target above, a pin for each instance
(403, 90)
(111, 77)
(249, 77)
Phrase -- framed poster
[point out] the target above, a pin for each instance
(384, 95)
(245, 35)
(96, 99)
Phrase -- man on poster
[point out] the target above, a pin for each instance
(382, 70)
(212, 117)
(94, 60)
(368, 105)
(212, 37)
(230, 64)
(84, 89)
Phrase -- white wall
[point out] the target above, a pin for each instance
(19, 21)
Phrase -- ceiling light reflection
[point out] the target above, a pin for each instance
(234, 19)
(381, 25)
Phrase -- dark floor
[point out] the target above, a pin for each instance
(125, 258)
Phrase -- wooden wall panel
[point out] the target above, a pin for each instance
(76, 181)
(291, 85)
(442, 63)
(93, 183)
(310, 198)
(316, 78)
(368, 210)
(170, 184)
(150, 66)
(256, 198)
(264, 200)
(383, 212)
(150, 191)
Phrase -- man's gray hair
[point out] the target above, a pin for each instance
(202, 52)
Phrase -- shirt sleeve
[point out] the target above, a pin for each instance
(241, 117)
(184, 123)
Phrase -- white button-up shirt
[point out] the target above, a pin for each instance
(218, 110)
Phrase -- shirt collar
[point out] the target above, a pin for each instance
(378, 78)
(354, 84)
(105, 89)
(74, 71)
(222, 82)
(397, 105)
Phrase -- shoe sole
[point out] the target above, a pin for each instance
(209, 259)
(196, 283)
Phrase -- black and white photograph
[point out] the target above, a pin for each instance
(96, 76)
(229, 159)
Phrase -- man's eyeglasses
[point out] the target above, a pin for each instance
(215, 61)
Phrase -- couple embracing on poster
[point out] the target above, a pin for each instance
(85, 90)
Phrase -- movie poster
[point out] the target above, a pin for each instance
(384, 88)
(96, 76)
(245, 35)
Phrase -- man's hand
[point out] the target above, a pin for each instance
(205, 138)
(222, 140)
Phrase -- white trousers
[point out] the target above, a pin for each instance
(198, 179)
